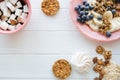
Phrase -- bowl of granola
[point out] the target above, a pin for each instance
(97, 19)
(14, 15)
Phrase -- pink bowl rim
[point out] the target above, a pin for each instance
(88, 36)
(23, 25)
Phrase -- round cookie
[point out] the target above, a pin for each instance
(50, 7)
(61, 69)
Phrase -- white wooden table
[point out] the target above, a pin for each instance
(30, 53)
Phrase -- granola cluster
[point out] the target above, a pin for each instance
(100, 64)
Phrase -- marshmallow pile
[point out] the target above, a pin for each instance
(13, 13)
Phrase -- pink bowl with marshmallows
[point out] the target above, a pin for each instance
(20, 26)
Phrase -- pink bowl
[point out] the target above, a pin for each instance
(85, 28)
(24, 24)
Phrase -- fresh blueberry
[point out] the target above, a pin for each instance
(86, 12)
(87, 18)
(78, 19)
(91, 7)
(99, 17)
(86, 4)
(87, 8)
(108, 8)
(108, 34)
(79, 6)
(76, 8)
(82, 21)
(82, 8)
(113, 11)
(82, 13)
(84, 17)
(91, 16)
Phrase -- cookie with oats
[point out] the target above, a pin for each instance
(50, 7)
(61, 69)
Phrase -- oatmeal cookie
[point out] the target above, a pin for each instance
(50, 7)
(61, 69)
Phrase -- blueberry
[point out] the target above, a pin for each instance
(79, 6)
(86, 12)
(78, 19)
(82, 21)
(99, 17)
(82, 13)
(84, 17)
(91, 16)
(86, 4)
(108, 8)
(108, 34)
(87, 18)
(76, 8)
(91, 7)
(82, 8)
(87, 8)
(113, 11)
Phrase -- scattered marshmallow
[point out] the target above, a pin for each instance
(0, 21)
(19, 5)
(6, 12)
(13, 1)
(25, 8)
(11, 28)
(0, 13)
(22, 18)
(18, 12)
(4, 25)
(4, 18)
(24, 15)
(2, 5)
(10, 6)
(12, 17)
(18, 25)
(6, 1)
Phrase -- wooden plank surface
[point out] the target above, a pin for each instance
(30, 53)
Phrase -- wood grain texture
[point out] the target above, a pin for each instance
(30, 53)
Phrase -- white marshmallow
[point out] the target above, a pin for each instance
(12, 17)
(0, 13)
(4, 18)
(0, 21)
(24, 15)
(18, 12)
(4, 25)
(25, 8)
(19, 5)
(22, 18)
(6, 12)
(11, 28)
(13, 1)
(2, 5)
(10, 6)
(18, 25)
(6, 1)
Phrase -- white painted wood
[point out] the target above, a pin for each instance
(36, 67)
(30, 53)
(50, 42)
